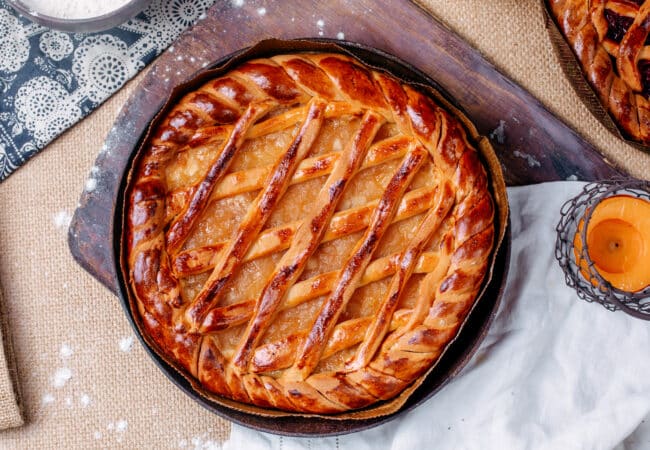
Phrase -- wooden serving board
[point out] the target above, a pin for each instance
(498, 107)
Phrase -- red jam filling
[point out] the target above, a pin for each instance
(618, 26)
(644, 69)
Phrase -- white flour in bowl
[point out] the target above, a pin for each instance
(73, 9)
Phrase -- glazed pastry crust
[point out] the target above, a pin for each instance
(610, 59)
(448, 247)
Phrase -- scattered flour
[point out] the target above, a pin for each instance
(340, 35)
(320, 23)
(202, 442)
(61, 377)
(85, 400)
(91, 184)
(118, 427)
(68, 402)
(62, 219)
(66, 351)
(121, 426)
(572, 178)
(499, 133)
(97, 435)
(47, 399)
(237, 3)
(126, 344)
(261, 11)
(530, 159)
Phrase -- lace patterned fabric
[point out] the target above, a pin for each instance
(49, 80)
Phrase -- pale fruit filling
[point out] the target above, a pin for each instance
(222, 218)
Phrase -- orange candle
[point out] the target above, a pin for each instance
(618, 240)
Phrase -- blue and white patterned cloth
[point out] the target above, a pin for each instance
(49, 80)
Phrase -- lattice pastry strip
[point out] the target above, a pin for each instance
(235, 314)
(405, 203)
(276, 239)
(307, 238)
(251, 180)
(276, 184)
(354, 267)
(407, 264)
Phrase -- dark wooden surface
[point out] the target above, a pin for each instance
(532, 144)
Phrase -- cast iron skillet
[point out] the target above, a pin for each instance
(457, 355)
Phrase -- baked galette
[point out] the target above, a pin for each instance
(305, 233)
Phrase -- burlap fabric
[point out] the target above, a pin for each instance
(10, 414)
(84, 381)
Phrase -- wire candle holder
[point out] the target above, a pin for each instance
(580, 270)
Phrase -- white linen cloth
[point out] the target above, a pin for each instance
(554, 372)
